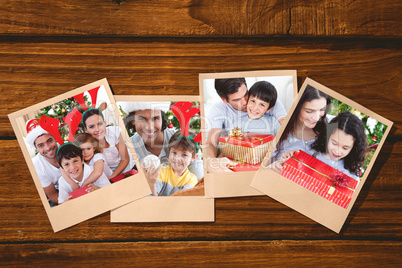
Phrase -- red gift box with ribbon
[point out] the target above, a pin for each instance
(123, 176)
(320, 178)
(245, 147)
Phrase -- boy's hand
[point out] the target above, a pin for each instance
(220, 164)
(68, 199)
(289, 154)
(92, 188)
(152, 175)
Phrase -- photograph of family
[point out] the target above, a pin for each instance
(242, 118)
(76, 146)
(166, 138)
(324, 153)
(326, 146)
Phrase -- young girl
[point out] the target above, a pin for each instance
(344, 147)
(110, 140)
(341, 145)
(93, 157)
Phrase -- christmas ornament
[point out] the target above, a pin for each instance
(151, 160)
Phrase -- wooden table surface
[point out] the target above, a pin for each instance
(159, 47)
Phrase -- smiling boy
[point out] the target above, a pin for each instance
(69, 156)
(262, 97)
(175, 176)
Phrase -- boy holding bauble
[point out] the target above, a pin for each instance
(70, 158)
(168, 179)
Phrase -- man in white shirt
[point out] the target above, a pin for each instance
(45, 162)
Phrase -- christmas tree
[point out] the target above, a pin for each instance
(60, 110)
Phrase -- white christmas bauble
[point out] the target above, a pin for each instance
(151, 160)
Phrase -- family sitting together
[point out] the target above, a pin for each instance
(93, 158)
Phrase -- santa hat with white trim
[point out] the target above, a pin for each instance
(34, 130)
(129, 107)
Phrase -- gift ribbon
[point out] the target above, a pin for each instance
(332, 188)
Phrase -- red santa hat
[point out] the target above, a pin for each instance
(34, 130)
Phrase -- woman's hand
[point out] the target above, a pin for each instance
(289, 154)
(277, 166)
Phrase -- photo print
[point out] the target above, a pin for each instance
(243, 112)
(75, 146)
(165, 132)
(323, 155)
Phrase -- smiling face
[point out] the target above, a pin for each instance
(339, 145)
(96, 127)
(88, 151)
(180, 160)
(46, 145)
(311, 112)
(238, 100)
(148, 124)
(73, 167)
(256, 107)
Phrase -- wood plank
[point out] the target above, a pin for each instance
(377, 213)
(202, 18)
(206, 253)
(368, 72)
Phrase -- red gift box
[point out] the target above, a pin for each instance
(245, 147)
(124, 175)
(79, 192)
(320, 178)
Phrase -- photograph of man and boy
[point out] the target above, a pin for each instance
(166, 138)
(242, 118)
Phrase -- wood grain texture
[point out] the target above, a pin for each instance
(159, 47)
(369, 72)
(376, 214)
(207, 253)
(202, 18)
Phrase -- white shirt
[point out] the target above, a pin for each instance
(222, 115)
(47, 173)
(65, 188)
(106, 169)
(111, 154)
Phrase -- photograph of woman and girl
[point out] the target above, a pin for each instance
(95, 154)
(169, 152)
(330, 131)
(228, 104)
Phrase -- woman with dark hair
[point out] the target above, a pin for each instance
(307, 122)
(152, 136)
(116, 153)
